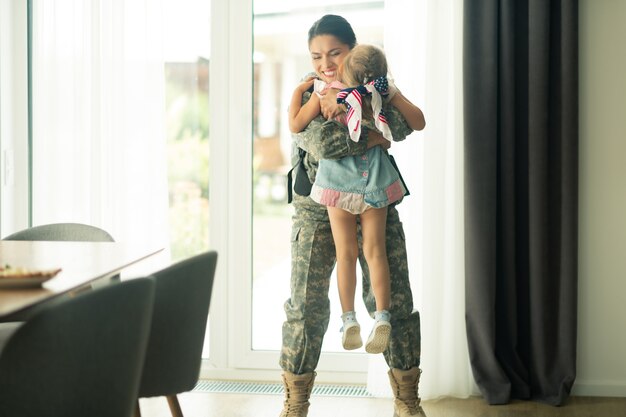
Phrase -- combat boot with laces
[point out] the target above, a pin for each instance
(405, 387)
(297, 393)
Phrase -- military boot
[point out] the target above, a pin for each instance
(404, 385)
(297, 392)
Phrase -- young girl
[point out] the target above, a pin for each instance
(360, 186)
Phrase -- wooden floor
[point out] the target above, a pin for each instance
(254, 405)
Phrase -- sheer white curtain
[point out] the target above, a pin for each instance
(98, 117)
(423, 42)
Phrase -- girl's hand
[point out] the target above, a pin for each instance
(329, 106)
(305, 85)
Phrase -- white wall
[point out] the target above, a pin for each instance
(602, 218)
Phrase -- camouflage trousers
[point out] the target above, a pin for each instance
(308, 308)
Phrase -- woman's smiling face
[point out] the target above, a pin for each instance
(327, 54)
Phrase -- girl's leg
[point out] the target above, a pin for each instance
(373, 225)
(405, 341)
(343, 225)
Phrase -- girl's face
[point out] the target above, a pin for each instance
(327, 54)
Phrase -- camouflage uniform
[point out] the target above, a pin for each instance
(313, 259)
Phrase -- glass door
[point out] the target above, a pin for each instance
(186, 55)
(281, 59)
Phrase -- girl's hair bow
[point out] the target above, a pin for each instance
(353, 99)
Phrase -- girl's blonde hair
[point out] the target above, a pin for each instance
(362, 64)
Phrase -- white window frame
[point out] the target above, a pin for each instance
(231, 98)
(14, 173)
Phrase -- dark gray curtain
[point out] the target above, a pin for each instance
(521, 169)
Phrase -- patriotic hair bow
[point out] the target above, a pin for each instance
(353, 99)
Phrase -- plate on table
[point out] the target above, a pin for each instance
(11, 277)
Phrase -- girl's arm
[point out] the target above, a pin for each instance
(413, 115)
(300, 115)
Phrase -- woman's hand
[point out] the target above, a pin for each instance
(329, 106)
(375, 138)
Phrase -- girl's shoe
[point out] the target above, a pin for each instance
(378, 339)
(351, 329)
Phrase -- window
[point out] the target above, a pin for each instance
(120, 119)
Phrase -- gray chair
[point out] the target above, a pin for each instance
(181, 307)
(71, 232)
(82, 357)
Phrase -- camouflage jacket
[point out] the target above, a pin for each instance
(329, 139)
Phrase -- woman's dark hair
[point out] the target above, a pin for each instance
(336, 26)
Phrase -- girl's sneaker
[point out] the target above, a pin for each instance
(351, 329)
(378, 339)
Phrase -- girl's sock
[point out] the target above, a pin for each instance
(351, 338)
(378, 340)
(383, 315)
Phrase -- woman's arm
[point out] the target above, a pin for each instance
(328, 139)
(403, 119)
(400, 129)
(397, 124)
(412, 114)
(300, 115)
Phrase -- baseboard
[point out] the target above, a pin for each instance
(276, 388)
(207, 372)
(581, 388)
(599, 388)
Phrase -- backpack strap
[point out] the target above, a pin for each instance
(393, 162)
(290, 183)
(299, 163)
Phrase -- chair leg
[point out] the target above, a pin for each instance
(137, 409)
(172, 401)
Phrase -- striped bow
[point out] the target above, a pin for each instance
(353, 99)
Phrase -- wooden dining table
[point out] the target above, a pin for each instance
(81, 264)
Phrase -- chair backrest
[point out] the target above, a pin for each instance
(73, 232)
(81, 357)
(181, 307)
